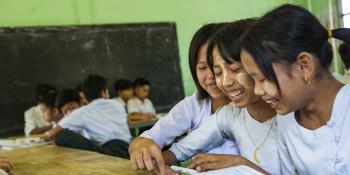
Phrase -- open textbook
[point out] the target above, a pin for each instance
(22, 143)
(237, 170)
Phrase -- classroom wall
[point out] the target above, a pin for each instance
(320, 8)
(189, 15)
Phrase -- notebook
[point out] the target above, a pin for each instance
(237, 170)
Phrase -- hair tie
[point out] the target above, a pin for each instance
(330, 34)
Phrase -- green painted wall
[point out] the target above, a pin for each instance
(189, 15)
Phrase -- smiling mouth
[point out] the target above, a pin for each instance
(236, 94)
(273, 103)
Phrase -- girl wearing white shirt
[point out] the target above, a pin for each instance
(188, 114)
(248, 119)
(288, 54)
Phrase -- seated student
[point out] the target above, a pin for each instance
(125, 91)
(67, 101)
(189, 114)
(103, 119)
(33, 117)
(83, 100)
(5, 164)
(248, 120)
(140, 104)
(288, 54)
(56, 106)
(50, 112)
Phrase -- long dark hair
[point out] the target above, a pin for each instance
(227, 41)
(202, 36)
(281, 34)
(344, 52)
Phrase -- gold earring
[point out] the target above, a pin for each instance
(307, 80)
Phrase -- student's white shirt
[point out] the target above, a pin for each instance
(121, 101)
(323, 151)
(230, 122)
(186, 116)
(33, 118)
(136, 105)
(102, 119)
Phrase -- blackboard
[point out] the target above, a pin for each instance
(64, 55)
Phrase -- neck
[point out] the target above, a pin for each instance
(124, 99)
(318, 110)
(216, 103)
(261, 111)
(142, 99)
(58, 118)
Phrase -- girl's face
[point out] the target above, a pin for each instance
(205, 76)
(228, 80)
(293, 95)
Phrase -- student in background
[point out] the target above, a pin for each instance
(288, 54)
(344, 52)
(83, 100)
(5, 164)
(125, 91)
(56, 106)
(189, 114)
(103, 119)
(140, 104)
(51, 113)
(33, 117)
(67, 101)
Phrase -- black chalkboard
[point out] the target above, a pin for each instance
(64, 55)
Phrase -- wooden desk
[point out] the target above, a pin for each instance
(53, 160)
(142, 123)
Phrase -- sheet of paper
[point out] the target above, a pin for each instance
(21, 143)
(237, 170)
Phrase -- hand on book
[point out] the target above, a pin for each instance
(145, 154)
(168, 171)
(205, 162)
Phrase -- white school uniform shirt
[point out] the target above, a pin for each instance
(185, 116)
(120, 100)
(136, 105)
(102, 119)
(323, 151)
(230, 122)
(33, 118)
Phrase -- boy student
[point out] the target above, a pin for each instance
(33, 117)
(56, 106)
(50, 112)
(125, 91)
(103, 119)
(140, 104)
(67, 101)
